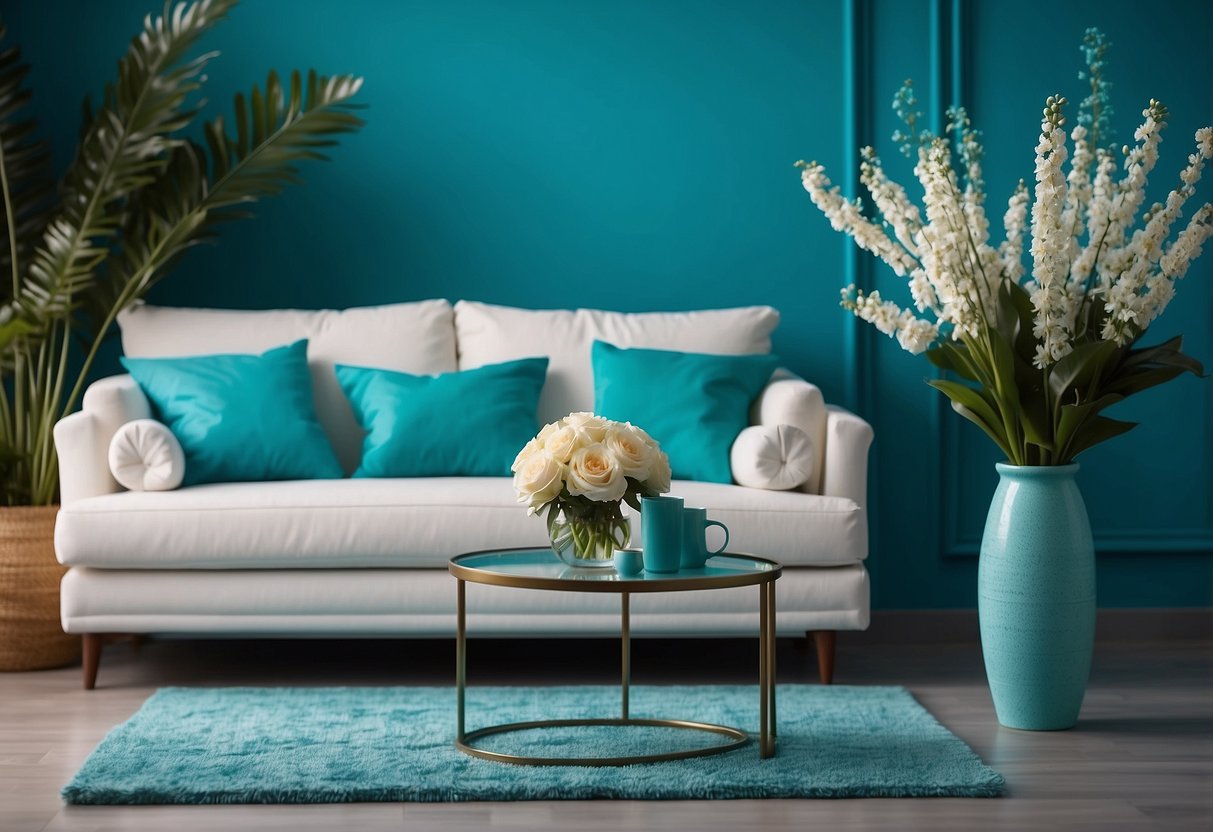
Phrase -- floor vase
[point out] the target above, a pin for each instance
(1036, 597)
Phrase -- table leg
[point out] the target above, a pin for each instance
(763, 672)
(461, 655)
(772, 642)
(626, 637)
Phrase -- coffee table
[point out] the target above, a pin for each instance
(539, 569)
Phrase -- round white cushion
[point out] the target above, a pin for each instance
(145, 456)
(774, 457)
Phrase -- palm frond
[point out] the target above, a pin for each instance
(190, 197)
(158, 225)
(136, 197)
(194, 194)
(25, 178)
(126, 146)
(286, 129)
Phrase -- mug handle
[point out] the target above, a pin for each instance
(725, 528)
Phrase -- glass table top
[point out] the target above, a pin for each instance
(540, 569)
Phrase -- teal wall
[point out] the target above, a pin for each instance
(636, 155)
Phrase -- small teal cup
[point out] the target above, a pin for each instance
(695, 524)
(661, 533)
(629, 562)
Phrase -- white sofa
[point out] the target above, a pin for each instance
(368, 557)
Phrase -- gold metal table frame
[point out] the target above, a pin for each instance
(476, 567)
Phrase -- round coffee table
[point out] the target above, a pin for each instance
(539, 569)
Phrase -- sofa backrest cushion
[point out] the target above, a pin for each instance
(144, 455)
(490, 334)
(416, 338)
(240, 418)
(466, 424)
(692, 403)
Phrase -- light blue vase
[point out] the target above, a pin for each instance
(1036, 597)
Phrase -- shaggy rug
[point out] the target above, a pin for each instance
(334, 745)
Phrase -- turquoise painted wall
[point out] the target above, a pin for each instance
(637, 155)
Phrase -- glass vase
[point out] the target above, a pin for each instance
(588, 540)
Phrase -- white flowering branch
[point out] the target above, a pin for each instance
(1051, 241)
(1045, 356)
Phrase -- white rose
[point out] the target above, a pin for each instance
(644, 436)
(589, 425)
(529, 449)
(659, 475)
(538, 481)
(634, 455)
(561, 443)
(595, 473)
(548, 429)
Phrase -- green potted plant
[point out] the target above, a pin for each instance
(1033, 363)
(137, 194)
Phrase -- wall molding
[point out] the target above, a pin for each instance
(857, 131)
(960, 626)
(950, 37)
(857, 128)
(1120, 542)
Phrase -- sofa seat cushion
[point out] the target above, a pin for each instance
(401, 523)
(794, 528)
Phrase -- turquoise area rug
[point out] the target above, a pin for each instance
(335, 745)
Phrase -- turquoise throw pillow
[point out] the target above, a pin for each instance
(465, 424)
(240, 418)
(693, 404)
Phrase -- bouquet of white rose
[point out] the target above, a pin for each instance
(580, 468)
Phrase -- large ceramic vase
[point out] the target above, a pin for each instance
(1036, 597)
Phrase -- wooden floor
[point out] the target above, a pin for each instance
(1140, 759)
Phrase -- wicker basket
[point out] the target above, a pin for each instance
(31, 637)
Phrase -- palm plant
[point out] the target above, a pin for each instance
(135, 197)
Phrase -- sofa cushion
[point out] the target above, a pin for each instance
(469, 423)
(240, 418)
(777, 457)
(409, 337)
(145, 456)
(491, 334)
(403, 523)
(693, 404)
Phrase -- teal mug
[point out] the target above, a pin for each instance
(628, 562)
(695, 524)
(661, 533)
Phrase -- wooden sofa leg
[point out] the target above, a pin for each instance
(823, 642)
(93, 642)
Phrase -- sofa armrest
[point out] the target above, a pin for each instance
(790, 400)
(82, 439)
(848, 439)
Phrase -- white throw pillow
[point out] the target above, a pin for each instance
(489, 334)
(774, 457)
(145, 456)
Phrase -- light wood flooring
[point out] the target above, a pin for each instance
(1140, 759)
